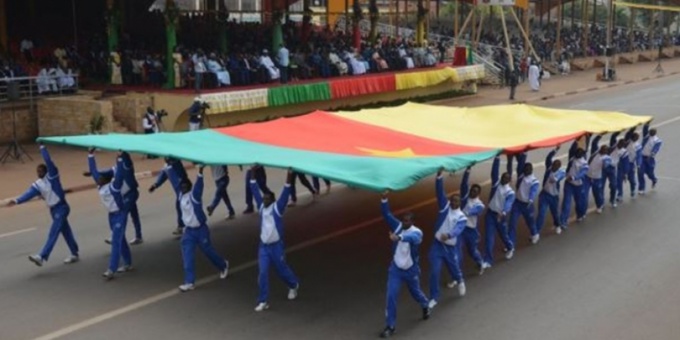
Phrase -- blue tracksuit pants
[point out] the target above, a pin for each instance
(448, 255)
(526, 210)
(395, 278)
(273, 255)
(621, 174)
(60, 226)
(596, 186)
(647, 169)
(610, 175)
(200, 237)
(493, 226)
(131, 206)
(470, 238)
(222, 195)
(261, 182)
(632, 178)
(575, 193)
(119, 244)
(547, 202)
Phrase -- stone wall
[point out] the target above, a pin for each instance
(26, 123)
(128, 110)
(66, 116)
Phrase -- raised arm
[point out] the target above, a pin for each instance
(92, 165)
(595, 145)
(572, 149)
(282, 202)
(392, 222)
(645, 130)
(255, 189)
(119, 175)
(521, 161)
(549, 158)
(613, 139)
(52, 170)
(465, 187)
(495, 171)
(439, 188)
(197, 191)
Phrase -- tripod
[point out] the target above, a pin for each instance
(14, 149)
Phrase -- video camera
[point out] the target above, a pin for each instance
(162, 113)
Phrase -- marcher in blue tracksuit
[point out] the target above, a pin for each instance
(405, 267)
(175, 173)
(473, 207)
(612, 171)
(501, 199)
(451, 222)
(305, 182)
(130, 194)
(111, 196)
(622, 169)
(573, 186)
(260, 176)
(196, 232)
(651, 145)
(527, 191)
(48, 187)
(317, 185)
(549, 198)
(634, 148)
(595, 177)
(220, 174)
(271, 252)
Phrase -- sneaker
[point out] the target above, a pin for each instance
(558, 230)
(293, 292)
(387, 332)
(108, 275)
(427, 311)
(509, 254)
(232, 215)
(37, 259)
(261, 306)
(619, 199)
(452, 284)
(580, 219)
(107, 240)
(484, 266)
(292, 204)
(461, 289)
(614, 205)
(654, 184)
(124, 269)
(535, 238)
(225, 272)
(186, 287)
(178, 231)
(641, 193)
(136, 241)
(210, 210)
(71, 259)
(599, 210)
(432, 304)
(249, 210)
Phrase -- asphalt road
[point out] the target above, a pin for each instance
(611, 277)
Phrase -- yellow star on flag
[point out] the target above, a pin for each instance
(404, 153)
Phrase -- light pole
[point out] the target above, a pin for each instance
(609, 51)
(659, 41)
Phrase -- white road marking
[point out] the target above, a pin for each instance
(170, 293)
(16, 232)
(669, 178)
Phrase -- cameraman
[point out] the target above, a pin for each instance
(196, 113)
(150, 121)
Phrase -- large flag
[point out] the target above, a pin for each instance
(390, 148)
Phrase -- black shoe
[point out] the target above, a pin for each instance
(427, 311)
(250, 210)
(210, 210)
(387, 332)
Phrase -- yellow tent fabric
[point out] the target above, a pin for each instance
(645, 6)
(501, 126)
(414, 80)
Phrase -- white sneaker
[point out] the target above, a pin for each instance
(461, 289)
(509, 254)
(71, 259)
(186, 287)
(558, 230)
(484, 266)
(614, 205)
(225, 272)
(261, 306)
(535, 238)
(125, 269)
(293, 292)
(599, 210)
(37, 260)
(432, 304)
(452, 284)
(136, 241)
(641, 193)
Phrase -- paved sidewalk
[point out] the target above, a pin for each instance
(16, 177)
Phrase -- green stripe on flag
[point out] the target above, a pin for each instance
(297, 94)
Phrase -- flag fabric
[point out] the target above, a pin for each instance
(389, 148)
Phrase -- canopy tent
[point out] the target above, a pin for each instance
(389, 148)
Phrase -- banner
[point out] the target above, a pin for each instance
(644, 6)
(236, 101)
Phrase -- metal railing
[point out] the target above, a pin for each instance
(31, 88)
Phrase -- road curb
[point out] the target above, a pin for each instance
(84, 187)
(596, 88)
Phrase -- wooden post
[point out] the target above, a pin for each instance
(526, 29)
(584, 22)
(559, 28)
(594, 12)
(549, 10)
(573, 14)
(630, 28)
(480, 30)
(473, 36)
(397, 25)
(346, 16)
(524, 33)
(456, 15)
(511, 62)
(462, 29)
